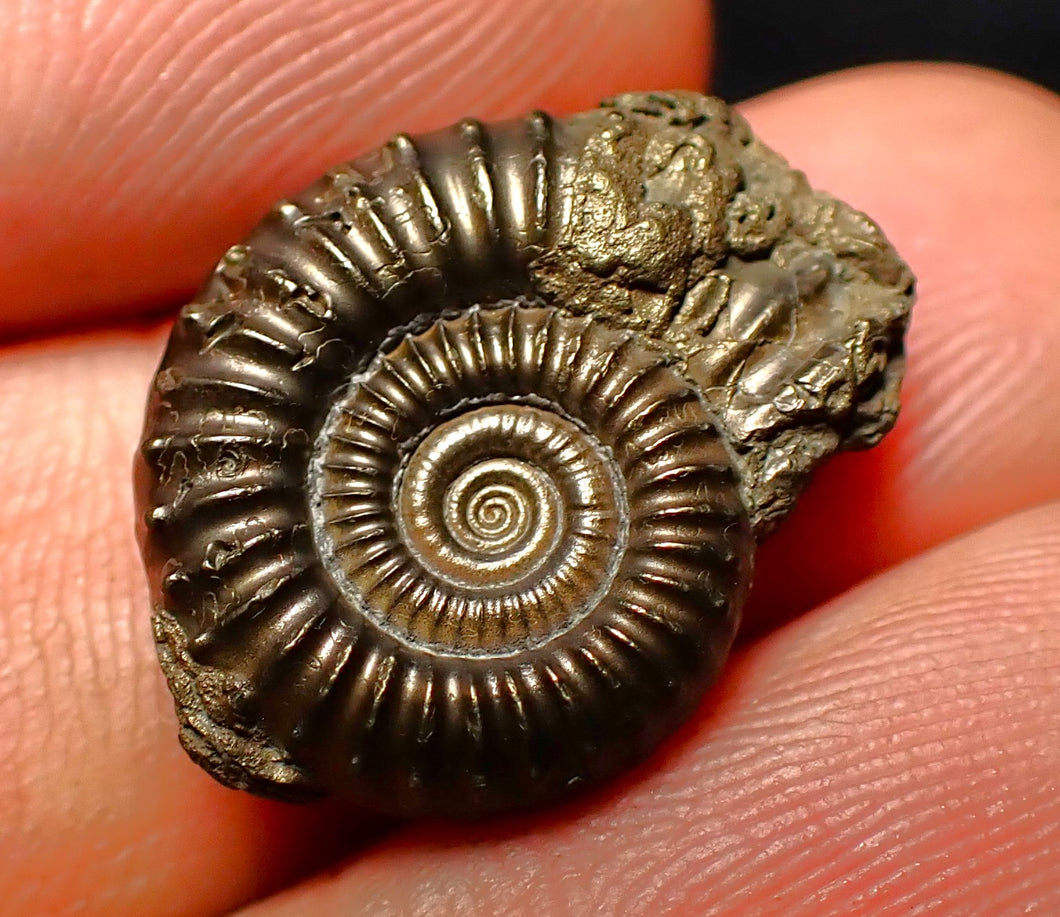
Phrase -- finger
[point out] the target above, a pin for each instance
(150, 135)
(101, 809)
(959, 167)
(895, 753)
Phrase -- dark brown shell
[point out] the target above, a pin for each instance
(451, 473)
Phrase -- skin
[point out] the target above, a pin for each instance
(887, 737)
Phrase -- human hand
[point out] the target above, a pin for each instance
(895, 750)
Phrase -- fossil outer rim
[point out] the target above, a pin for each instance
(767, 316)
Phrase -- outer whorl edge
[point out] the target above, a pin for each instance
(451, 474)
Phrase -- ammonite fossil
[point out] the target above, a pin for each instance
(452, 473)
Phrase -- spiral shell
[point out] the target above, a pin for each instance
(452, 472)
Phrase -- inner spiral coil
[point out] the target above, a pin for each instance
(486, 515)
(488, 499)
(497, 529)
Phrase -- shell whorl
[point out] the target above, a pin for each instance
(518, 551)
(552, 487)
(451, 473)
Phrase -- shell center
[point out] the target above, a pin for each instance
(495, 504)
(478, 503)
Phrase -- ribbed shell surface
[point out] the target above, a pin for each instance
(438, 512)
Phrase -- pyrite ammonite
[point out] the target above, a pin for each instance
(452, 473)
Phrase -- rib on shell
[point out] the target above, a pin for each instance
(451, 474)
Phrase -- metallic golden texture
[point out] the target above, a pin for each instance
(451, 474)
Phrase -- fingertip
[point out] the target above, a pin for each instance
(103, 811)
(153, 138)
(891, 754)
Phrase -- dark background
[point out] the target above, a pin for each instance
(762, 44)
